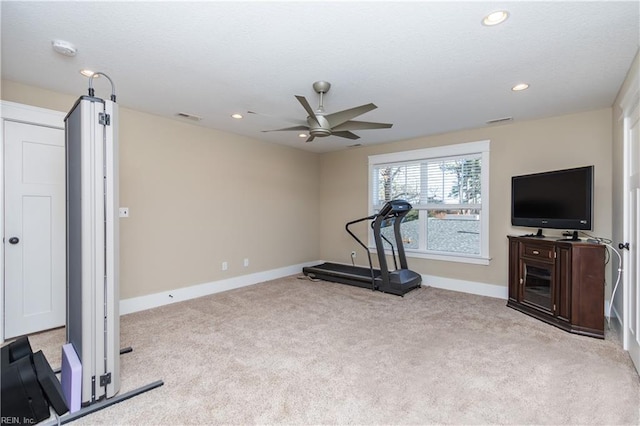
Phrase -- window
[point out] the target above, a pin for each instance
(448, 188)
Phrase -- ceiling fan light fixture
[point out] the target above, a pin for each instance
(520, 87)
(495, 18)
(303, 135)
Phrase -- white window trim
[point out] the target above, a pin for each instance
(479, 147)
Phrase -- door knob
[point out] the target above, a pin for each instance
(14, 240)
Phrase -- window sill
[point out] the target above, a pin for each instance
(474, 260)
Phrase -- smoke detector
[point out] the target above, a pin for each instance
(64, 48)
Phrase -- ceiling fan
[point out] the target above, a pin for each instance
(320, 124)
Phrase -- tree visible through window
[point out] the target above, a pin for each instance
(446, 192)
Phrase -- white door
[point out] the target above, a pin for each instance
(34, 246)
(632, 232)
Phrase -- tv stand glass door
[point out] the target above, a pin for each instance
(537, 285)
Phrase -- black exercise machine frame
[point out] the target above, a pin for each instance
(379, 278)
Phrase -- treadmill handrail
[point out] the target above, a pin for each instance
(373, 277)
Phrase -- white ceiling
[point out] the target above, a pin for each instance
(430, 67)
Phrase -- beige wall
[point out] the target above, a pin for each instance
(517, 148)
(198, 197)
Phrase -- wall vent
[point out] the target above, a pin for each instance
(500, 120)
(188, 116)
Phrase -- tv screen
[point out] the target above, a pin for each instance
(560, 199)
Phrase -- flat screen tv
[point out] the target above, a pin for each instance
(560, 199)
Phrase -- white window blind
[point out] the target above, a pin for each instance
(447, 188)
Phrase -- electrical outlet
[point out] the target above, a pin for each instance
(353, 254)
(246, 262)
(225, 266)
(124, 212)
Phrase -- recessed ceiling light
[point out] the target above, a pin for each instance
(495, 18)
(519, 87)
(64, 47)
(302, 135)
(237, 116)
(88, 73)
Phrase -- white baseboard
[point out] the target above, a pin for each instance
(614, 313)
(491, 290)
(615, 324)
(481, 289)
(136, 304)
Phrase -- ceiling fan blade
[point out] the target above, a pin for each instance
(288, 128)
(310, 138)
(345, 134)
(343, 116)
(361, 125)
(307, 107)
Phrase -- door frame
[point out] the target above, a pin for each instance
(27, 114)
(630, 100)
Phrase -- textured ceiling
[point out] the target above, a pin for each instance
(430, 67)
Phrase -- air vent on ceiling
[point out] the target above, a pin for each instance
(189, 116)
(500, 120)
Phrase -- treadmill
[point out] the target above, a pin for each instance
(398, 282)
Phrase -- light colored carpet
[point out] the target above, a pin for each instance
(293, 351)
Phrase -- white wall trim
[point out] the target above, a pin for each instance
(438, 151)
(136, 304)
(32, 115)
(471, 287)
(630, 96)
(615, 323)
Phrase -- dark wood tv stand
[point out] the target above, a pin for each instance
(558, 282)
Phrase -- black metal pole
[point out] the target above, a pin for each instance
(105, 403)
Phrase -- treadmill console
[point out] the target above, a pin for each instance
(394, 207)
